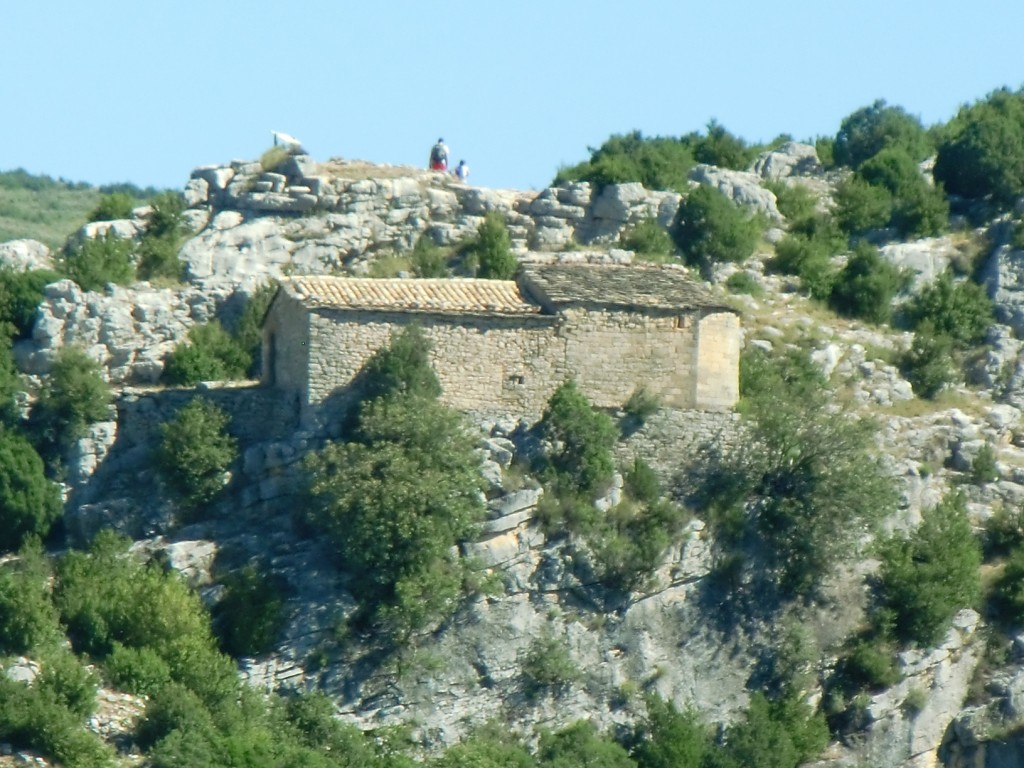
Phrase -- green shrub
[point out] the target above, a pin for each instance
(250, 615)
(162, 239)
(489, 747)
(173, 708)
(668, 738)
(1008, 592)
(20, 296)
(983, 466)
(744, 282)
(65, 680)
(866, 286)
(73, 396)
(492, 249)
(721, 148)
(211, 354)
(860, 206)
(825, 146)
(641, 482)
(547, 667)
(274, 158)
(926, 577)
(105, 596)
(401, 368)
(195, 452)
(11, 384)
(928, 365)
(27, 615)
(582, 440)
(641, 404)
(867, 131)
(797, 494)
(395, 501)
(428, 260)
(141, 671)
(795, 201)
(810, 260)
(31, 718)
(981, 153)
(95, 262)
(29, 502)
(655, 162)
(248, 331)
(158, 257)
(580, 745)
(959, 309)
(118, 205)
(919, 209)
(1004, 532)
(648, 240)
(783, 733)
(629, 540)
(710, 228)
(870, 665)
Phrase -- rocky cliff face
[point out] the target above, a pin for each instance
(672, 637)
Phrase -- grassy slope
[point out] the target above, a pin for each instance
(49, 210)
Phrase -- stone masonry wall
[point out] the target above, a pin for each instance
(496, 364)
(484, 363)
(286, 346)
(718, 361)
(612, 353)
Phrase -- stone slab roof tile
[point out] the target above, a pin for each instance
(617, 287)
(499, 297)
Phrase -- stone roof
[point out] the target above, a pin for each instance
(619, 287)
(448, 295)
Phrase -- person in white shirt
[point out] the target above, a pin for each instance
(462, 170)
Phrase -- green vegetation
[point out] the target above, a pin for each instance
(648, 240)
(930, 574)
(981, 153)
(428, 260)
(163, 237)
(710, 228)
(27, 616)
(958, 309)
(93, 263)
(195, 452)
(29, 502)
(889, 190)
(73, 396)
(581, 439)
(42, 208)
(211, 354)
(274, 158)
(929, 364)
(547, 667)
(118, 205)
(661, 162)
(250, 615)
(398, 496)
(20, 294)
(869, 130)
(796, 495)
(107, 597)
(401, 368)
(491, 250)
(657, 163)
(866, 286)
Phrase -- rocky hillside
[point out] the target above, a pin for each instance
(951, 704)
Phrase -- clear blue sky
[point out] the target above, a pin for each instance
(141, 91)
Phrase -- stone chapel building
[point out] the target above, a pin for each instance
(503, 346)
